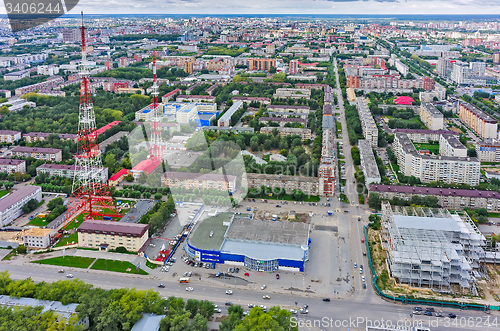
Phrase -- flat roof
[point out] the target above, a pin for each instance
(264, 231)
(44, 150)
(119, 228)
(230, 112)
(263, 251)
(434, 191)
(11, 161)
(201, 239)
(140, 209)
(422, 131)
(37, 232)
(198, 176)
(147, 165)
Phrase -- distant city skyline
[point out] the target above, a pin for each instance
(386, 7)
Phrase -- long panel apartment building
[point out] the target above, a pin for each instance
(11, 204)
(284, 131)
(308, 185)
(368, 162)
(11, 166)
(40, 153)
(9, 136)
(370, 130)
(432, 168)
(327, 167)
(478, 121)
(68, 171)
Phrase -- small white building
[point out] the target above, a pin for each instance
(11, 205)
(16, 75)
(37, 238)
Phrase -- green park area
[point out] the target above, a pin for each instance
(4, 192)
(117, 266)
(69, 239)
(38, 221)
(68, 261)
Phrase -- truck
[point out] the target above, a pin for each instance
(106, 218)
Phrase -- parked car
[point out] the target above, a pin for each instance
(263, 287)
(417, 309)
(451, 315)
(217, 274)
(251, 305)
(247, 274)
(439, 314)
(428, 313)
(277, 276)
(429, 309)
(303, 311)
(364, 286)
(217, 310)
(293, 311)
(228, 303)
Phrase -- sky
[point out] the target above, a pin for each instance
(288, 7)
(285, 7)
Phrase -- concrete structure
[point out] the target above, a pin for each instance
(450, 145)
(433, 249)
(11, 204)
(260, 245)
(16, 103)
(478, 121)
(225, 119)
(9, 136)
(40, 153)
(110, 235)
(328, 166)
(287, 108)
(50, 82)
(488, 150)
(449, 198)
(368, 163)
(199, 181)
(262, 101)
(12, 166)
(431, 116)
(118, 177)
(148, 322)
(370, 130)
(401, 67)
(283, 120)
(68, 171)
(195, 98)
(431, 168)
(308, 185)
(47, 70)
(284, 131)
(293, 68)
(229, 129)
(37, 238)
(278, 158)
(145, 167)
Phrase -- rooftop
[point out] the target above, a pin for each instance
(11, 161)
(119, 228)
(147, 166)
(429, 107)
(37, 232)
(426, 223)
(201, 239)
(434, 191)
(24, 149)
(10, 199)
(252, 230)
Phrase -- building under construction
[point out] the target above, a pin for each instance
(431, 247)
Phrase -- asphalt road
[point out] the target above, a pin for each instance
(351, 313)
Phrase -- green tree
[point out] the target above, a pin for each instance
(374, 200)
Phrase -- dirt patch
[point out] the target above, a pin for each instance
(282, 216)
(490, 288)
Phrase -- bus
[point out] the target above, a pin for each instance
(184, 280)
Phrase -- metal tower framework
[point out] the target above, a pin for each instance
(90, 195)
(156, 148)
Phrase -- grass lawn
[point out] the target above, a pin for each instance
(75, 225)
(432, 148)
(3, 192)
(494, 215)
(395, 167)
(117, 266)
(37, 221)
(10, 255)
(68, 261)
(69, 240)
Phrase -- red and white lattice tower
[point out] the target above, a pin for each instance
(156, 148)
(90, 195)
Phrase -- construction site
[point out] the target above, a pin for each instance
(435, 249)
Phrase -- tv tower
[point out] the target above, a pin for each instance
(89, 194)
(155, 149)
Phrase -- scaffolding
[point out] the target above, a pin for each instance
(431, 247)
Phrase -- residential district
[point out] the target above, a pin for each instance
(218, 173)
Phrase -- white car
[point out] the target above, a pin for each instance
(267, 297)
(363, 278)
(69, 276)
(263, 287)
(217, 310)
(189, 289)
(251, 305)
(263, 307)
(293, 311)
(229, 292)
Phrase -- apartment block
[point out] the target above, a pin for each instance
(308, 185)
(199, 181)
(261, 64)
(50, 82)
(478, 121)
(368, 162)
(284, 131)
(11, 205)
(432, 168)
(450, 145)
(16, 75)
(49, 154)
(488, 150)
(68, 171)
(293, 68)
(449, 198)
(291, 109)
(424, 136)
(431, 116)
(43, 136)
(107, 235)
(12, 166)
(225, 119)
(9, 136)
(370, 130)
(263, 101)
(328, 167)
(283, 120)
(294, 93)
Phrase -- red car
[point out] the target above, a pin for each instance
(362, 240)
(247, 274)
(277, 276)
